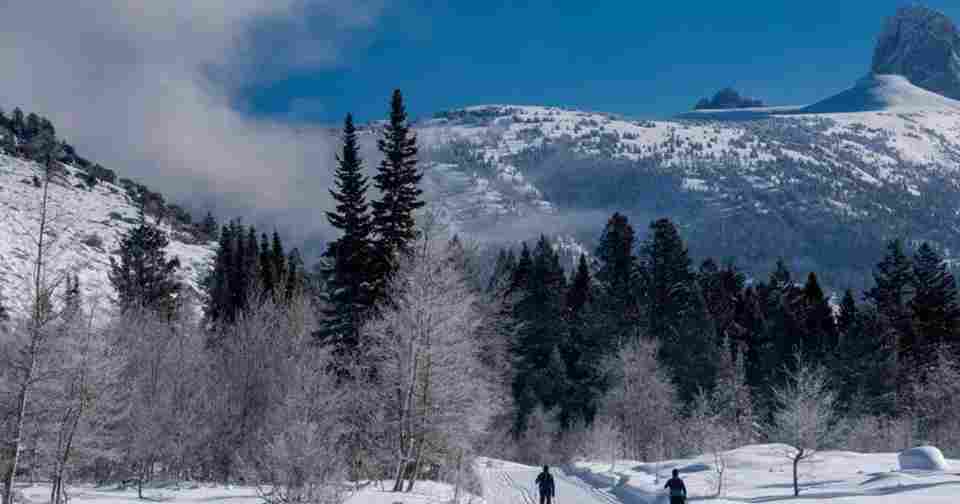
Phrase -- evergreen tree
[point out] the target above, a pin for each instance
(502, 271)
(144, 278)
(891, 296)
(397, 180)
(265, 266)
(540, 330)
(722, 290)
(618, 281)
(279, 258)
(848, 313)
(821, 328)
(676, 311)
(936, 316)
(350, 280)
(209, 226)
(583, 352)
(218, 286)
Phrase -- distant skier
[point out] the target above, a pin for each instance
(678, 491)
(546, 486)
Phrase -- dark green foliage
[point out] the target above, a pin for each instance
(209, 226)
(245, 271)
(891, 296)
(618, 279)
(820, 331)
(538, 309)
(143, 278)
(397, 180)
(350, 272)
(848, 314)
(934, 307)
(676, 311)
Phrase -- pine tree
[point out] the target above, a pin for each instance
(144, 278)
(265, 265)
(619, 281)
(217, 284)
(279, 258)
(398, 182)
(722, 290)
(350, 280)
(676, 312)
(583, 352)
(540, 330)
(821, 327)
(209, 226)
(891, 296)
(848, 313)
(936, 316)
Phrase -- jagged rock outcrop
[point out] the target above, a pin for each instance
(922, 45)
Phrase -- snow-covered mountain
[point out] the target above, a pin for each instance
(822, 185)
(86, 223)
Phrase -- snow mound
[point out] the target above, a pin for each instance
(881, 92)
(923, 458)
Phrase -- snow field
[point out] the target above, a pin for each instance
(761, 473)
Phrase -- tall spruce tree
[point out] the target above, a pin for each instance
(583, 351)
(820, 333)
(350, 283)
(144, 279)
(539, 373)
(397, 180)
(936, 316)
(676, 311)
(847, 315)
(618, 279)
(891, 296)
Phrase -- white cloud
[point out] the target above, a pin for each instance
(128, 82)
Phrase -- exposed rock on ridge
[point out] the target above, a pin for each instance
(922, 45)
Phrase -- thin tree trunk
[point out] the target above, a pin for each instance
(796, 486)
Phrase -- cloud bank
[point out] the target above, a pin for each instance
(144, 87)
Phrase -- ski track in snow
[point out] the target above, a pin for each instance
(510, 483)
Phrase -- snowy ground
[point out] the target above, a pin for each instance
(761, 473)
(509, 483)
(425, 492)
(755, 474)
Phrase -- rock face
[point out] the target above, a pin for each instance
(922, 45)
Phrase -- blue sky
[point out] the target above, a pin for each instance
(638, 58)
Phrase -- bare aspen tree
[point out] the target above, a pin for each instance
(641, 402)
(299, 458)
(25, 355)
(805, 418)
(712, 435)
(428, 355)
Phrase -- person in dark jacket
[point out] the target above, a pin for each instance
(546, 486)
(678, 491)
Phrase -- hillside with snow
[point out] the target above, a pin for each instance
(826, 185)
(86, 226)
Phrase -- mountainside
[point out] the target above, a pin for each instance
(823, 186)
(824, 190)
(87, 224)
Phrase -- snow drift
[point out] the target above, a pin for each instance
(923, 458)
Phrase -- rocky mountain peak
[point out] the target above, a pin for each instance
(922, 45)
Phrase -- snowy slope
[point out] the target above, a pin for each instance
(760, 473)
(779, 177)
(87, 226)
(883, 92)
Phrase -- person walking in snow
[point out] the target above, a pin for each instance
(546, 486)
(678, 491)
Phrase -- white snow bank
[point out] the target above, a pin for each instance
(923, 458)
